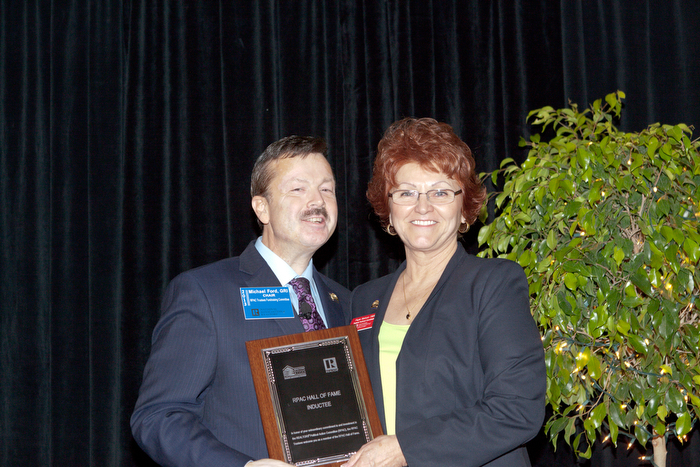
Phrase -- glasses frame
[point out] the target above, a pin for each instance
(427, 196)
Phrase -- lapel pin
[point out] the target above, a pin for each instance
(333, 296)
(375, 304)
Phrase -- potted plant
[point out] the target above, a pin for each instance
(605, 224)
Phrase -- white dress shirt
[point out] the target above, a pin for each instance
(285, 273)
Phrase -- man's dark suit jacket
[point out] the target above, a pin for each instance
(197, 403)
(470, 375)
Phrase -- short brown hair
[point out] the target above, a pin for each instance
(435, 147)
(290, 146)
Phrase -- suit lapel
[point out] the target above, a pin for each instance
(330, 302)
(260, 275)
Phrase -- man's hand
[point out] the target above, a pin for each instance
(382, 451)
(267, 463)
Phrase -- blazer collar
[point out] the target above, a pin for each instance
(457, 258)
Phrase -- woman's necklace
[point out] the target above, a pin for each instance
(405, 302)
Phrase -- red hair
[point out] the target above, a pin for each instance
(436, 148)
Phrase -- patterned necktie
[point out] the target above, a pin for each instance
(307, 308)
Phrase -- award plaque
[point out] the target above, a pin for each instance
(314, 395)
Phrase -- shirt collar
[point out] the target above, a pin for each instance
(280, 268)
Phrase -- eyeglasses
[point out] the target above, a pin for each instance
(410, 197)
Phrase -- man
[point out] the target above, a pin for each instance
(197, 403)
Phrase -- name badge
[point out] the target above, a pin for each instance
(363, 322)
(266, 303)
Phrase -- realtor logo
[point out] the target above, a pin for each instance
(330, 365)
(290, 372)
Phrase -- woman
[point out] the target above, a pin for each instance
(455, 358)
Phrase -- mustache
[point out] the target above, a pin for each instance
(315, 212)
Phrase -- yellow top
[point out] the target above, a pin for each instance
(391, 338)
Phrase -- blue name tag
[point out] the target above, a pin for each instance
(266, 303)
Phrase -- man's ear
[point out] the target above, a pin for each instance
(260, 207)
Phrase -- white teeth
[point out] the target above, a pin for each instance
(317, 220)
(423, 222)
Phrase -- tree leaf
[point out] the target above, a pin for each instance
(567, 186)
(485, 233)
(594, 369)
(551, 240)
(598, 415)
(557, 425)
(623, 327)
(662, 412)
(640, 279)
(571, 281)
(674, 400)
(685, 278)
(637, 343)
(506, 161)
(618, 255)
(692, 250)
(652, 145)
(641, 434)
(683, 424)
(660, 428)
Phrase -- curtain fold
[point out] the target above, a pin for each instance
(128, 131)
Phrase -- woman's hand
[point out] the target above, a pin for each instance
(382, 451)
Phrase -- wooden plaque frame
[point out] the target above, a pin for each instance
(266, 389)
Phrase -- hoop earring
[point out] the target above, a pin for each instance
(390, 229)
(463, 228)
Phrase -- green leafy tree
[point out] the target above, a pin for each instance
(605, 225)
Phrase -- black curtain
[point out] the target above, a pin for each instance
(128, 130)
